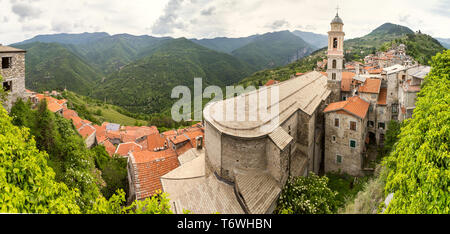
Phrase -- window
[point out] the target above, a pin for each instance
(344, 98)
(338, 159)
(334, 63)
(374, 96)
(336, 122)
(7, 86)
(333, 76)
(370, 124)
(381, 125)
(6, 62)
(335, 43)
(381, 138)
(353, 125)
(290, 131)
(333, 138)
(352, 144)
(394, 109)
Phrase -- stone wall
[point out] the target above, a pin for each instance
(16, 74)
(351, 158)
(213, 147)
(242, 153)
(90, 140)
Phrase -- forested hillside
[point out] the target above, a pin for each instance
(146, 85)
(51, 66)
(273, 50)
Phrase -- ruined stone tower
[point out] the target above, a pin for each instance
(335, 57)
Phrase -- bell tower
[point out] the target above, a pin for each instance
(335, 57)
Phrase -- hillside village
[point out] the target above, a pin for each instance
(330, 117)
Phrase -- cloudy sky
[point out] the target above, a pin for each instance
(23, 19)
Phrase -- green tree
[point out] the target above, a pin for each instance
(307, 195)
(394, 129)
(27, 183)
(419, 165)
(22, 114)
(44, 130)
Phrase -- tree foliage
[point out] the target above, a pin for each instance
(307, 195)
(29, 185)
(419, 165)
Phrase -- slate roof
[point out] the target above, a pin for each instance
(259, 191)
(303, 93)
(9, 49)
(281, 138)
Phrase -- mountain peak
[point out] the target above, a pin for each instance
(390, 28)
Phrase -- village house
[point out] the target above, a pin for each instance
(12, 70)
(409, 86)
(346, 135)
(163, 154)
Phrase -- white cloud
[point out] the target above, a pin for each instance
(21, 19)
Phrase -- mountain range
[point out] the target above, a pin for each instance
(138, 72)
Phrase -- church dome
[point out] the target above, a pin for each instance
(337, 20)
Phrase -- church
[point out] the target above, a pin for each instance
(324, 123)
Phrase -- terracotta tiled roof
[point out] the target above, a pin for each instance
(271, 82)
(86, 131)
(110, 148)
(125, 148)
(113, 135)
(62, 101)
(170, 133)
(375, 71)
(346, 82)
(371, 86)
(155, 141)
(354, 105)
(178, 139)
(151, 166)
(77, 122)
(54, 107)
(135, 133)
(100, 133)
(67, 113)
(299, 74)
(382, 97)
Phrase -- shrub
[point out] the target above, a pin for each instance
(307, 195)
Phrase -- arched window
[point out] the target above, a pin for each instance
(334, 63)
(335, 43)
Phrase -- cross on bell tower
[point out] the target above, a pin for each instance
(335, 56)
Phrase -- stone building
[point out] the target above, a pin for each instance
(335, 57)
(409, 86)
(13, 72)
(247, 161)
(346, 135)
